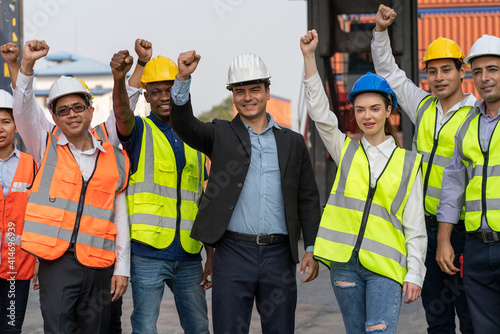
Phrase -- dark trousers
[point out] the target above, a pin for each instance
(442, 294)
(482, 283)
(13, 302)
(74, 298)
(244, 272)
(115, 323)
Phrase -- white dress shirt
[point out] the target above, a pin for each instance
(413, 214)
(32, 129)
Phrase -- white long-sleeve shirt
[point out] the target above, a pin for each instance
(409, 95)
(34, 135)
(413, 214)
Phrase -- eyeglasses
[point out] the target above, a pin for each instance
(64, 111)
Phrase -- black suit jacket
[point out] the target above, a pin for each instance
(228, 146)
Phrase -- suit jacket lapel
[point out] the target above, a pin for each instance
(283, 145)
(242, 133)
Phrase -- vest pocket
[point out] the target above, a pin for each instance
(101, 199)
(44, 226)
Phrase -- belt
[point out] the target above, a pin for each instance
(486, 237)
(261, 239)
(431, 221)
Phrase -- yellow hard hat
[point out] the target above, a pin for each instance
(443, 48)
(159, 69)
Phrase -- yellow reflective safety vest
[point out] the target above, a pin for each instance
(482, 195)
(160, 200)
(436, 152)
(368, 220)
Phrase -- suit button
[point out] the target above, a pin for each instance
(247, 162)
(231, 208)
(240, 185)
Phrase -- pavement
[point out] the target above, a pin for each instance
(317, 311)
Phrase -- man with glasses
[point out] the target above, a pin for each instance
(76, 219)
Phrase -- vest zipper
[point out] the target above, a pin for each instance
(431, 157)
(369, 200)
(364, 220)
(79, 212)
(486, 156)
(81, 201)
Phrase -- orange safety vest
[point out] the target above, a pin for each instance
(64, 210)
(14, 262)
(99, 132)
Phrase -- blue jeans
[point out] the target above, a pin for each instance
(366, 298)
(443, 294)
(148, 278)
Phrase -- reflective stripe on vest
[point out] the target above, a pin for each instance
(437, 153)
(152, 195)
(62, 206)
(483, 173)
(350, 221)
(100, 132)
(13, 261)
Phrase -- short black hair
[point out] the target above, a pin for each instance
(458, 63)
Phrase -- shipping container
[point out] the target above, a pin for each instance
(464, 29)
(456, 3)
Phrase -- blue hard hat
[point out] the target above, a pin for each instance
(371, 82)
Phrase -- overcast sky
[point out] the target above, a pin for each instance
(218, 30)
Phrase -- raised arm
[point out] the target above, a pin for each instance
(409, 95)
(125, 120)
(317, 102)
(10, 53)
(25, 105)
(192, 131)
(144, 51)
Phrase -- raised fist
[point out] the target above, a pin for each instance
(187, 63)
(34, 50)
(10, 52)
(143, 49)
(384, 18)
(309, 42)
(121, 64)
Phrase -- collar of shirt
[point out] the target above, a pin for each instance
(14, 153)
(271, 123)
(482, 109)
(386, 148)
(469, 100)
(161, 125)
(95, 143)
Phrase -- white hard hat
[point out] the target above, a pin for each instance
(246, 68)
(5, 100)
(487, 45)
(67, 86)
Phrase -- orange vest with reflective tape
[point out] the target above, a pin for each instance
(64, 210)
(16, 263)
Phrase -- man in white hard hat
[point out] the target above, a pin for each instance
(472, 179)
(76, 218)
(261, 194)
(436, 117)
(165, 187)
